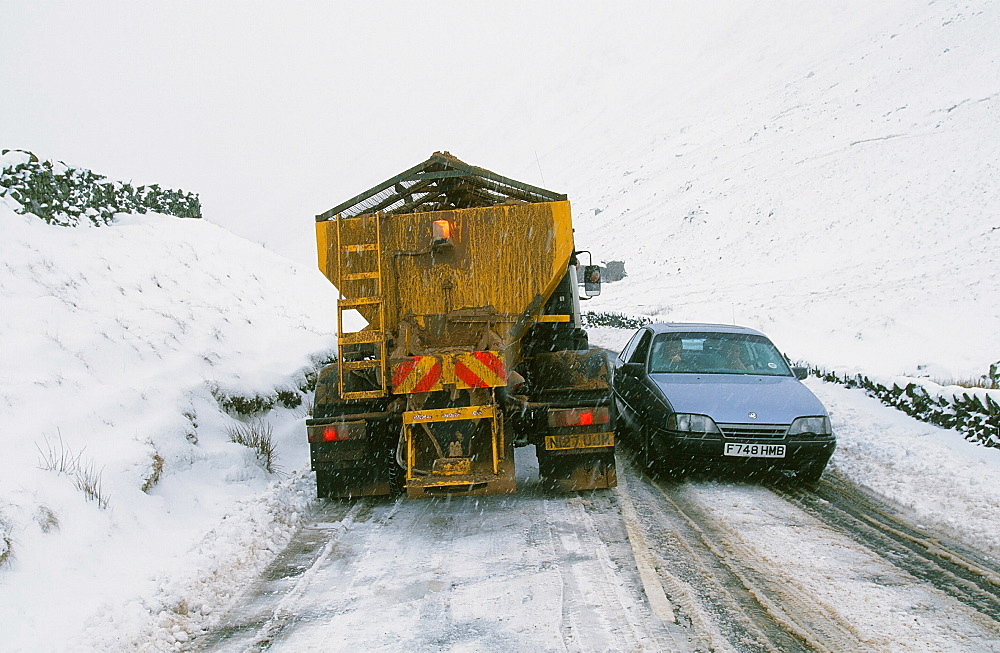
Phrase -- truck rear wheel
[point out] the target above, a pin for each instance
(324, 484)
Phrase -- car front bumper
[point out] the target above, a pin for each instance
(683, 452)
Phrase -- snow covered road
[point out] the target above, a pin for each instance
(743, 566)
(530, 572)
(784, 569)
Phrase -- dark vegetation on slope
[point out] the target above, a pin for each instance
(975, 418)
(65, 196)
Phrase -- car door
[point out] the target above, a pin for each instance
(629, 377)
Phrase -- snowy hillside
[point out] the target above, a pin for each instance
(829, 177)
(118, 344)
(824, 172)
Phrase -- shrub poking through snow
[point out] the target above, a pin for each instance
(240, 405)
(86, 477)
(65, 196)
(256, 434)
(289, 398)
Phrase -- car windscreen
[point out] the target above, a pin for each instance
(716, 353)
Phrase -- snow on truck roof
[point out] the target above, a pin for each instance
(440, 183)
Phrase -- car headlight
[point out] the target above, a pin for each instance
(811, 426)
(694, 424)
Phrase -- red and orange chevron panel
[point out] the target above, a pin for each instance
(479, 369)
(476, 369)
(417, 374)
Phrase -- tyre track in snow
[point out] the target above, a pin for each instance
(588, 589)
(788, 610)
(535, 571)
(950, 567)
(266, 609)
(780, 568)
(711, 595)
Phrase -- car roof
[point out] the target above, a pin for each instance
(699, 327)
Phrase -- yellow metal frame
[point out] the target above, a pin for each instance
(415, 417)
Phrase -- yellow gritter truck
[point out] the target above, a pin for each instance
(467, 283)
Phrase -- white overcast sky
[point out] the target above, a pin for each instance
(274, 112)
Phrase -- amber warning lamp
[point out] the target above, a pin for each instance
(441, 233)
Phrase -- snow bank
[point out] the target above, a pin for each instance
(944, 482)
(114, 339)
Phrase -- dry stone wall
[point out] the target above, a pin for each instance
(66, 196)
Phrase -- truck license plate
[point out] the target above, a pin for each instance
(754, 450)
(581, 441)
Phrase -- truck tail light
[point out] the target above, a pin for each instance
(561, 417)
(336, 432)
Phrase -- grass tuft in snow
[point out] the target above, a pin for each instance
(59, 458)
(87, 479)
(256, 434)
(47, 519)
(155, 472)
(6, 543)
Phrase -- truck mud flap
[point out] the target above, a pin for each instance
(347, 484)
(576, 471)
(356, 474)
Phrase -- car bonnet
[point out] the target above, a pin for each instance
(739, 398)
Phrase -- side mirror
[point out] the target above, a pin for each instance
(634, 368)
(592, 280)
(800, 372)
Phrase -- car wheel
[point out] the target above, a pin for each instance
(810, 474)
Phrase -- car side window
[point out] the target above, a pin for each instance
(639, 355)
(633, 341)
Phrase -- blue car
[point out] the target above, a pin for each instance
(697, 396)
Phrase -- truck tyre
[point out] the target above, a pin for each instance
(324, 483)
(546, 463)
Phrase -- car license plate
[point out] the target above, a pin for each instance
(754, 450)
(581, 441)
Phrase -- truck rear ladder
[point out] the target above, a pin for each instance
(359, 261)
